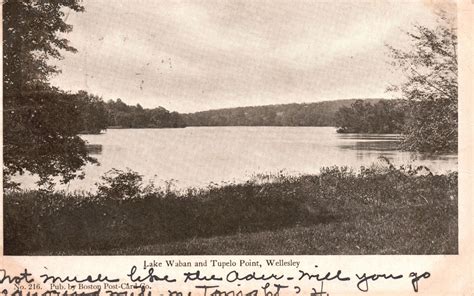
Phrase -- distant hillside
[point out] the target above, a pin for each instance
(307, 114)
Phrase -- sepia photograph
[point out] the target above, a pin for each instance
(230, 127)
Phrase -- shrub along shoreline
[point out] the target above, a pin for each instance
(126, 214)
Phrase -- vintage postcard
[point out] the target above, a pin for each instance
(237, 147)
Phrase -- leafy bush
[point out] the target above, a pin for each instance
(118, 184)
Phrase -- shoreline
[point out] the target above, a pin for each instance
(124, 217)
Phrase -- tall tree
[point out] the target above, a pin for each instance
(40, 122)
(32, 31)
(431, 88)
(40, 136)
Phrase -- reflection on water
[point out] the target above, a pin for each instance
(94, 149)
(377, 145)
(197, 156)
(378, 137)
(388, 146)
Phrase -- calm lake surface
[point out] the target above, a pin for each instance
(197, 156)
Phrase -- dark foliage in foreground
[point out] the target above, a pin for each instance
(40, 122)
(40, 136)
(57, 222)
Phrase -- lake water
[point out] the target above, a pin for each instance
(197, 156)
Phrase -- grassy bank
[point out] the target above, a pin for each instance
(419, 230)
(371, 211)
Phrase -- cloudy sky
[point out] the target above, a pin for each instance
(196, 55)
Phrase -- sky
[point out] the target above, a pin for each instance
(189, 56)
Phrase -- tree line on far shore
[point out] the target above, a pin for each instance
(304, 114)
(350, 116)
(97, 115)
